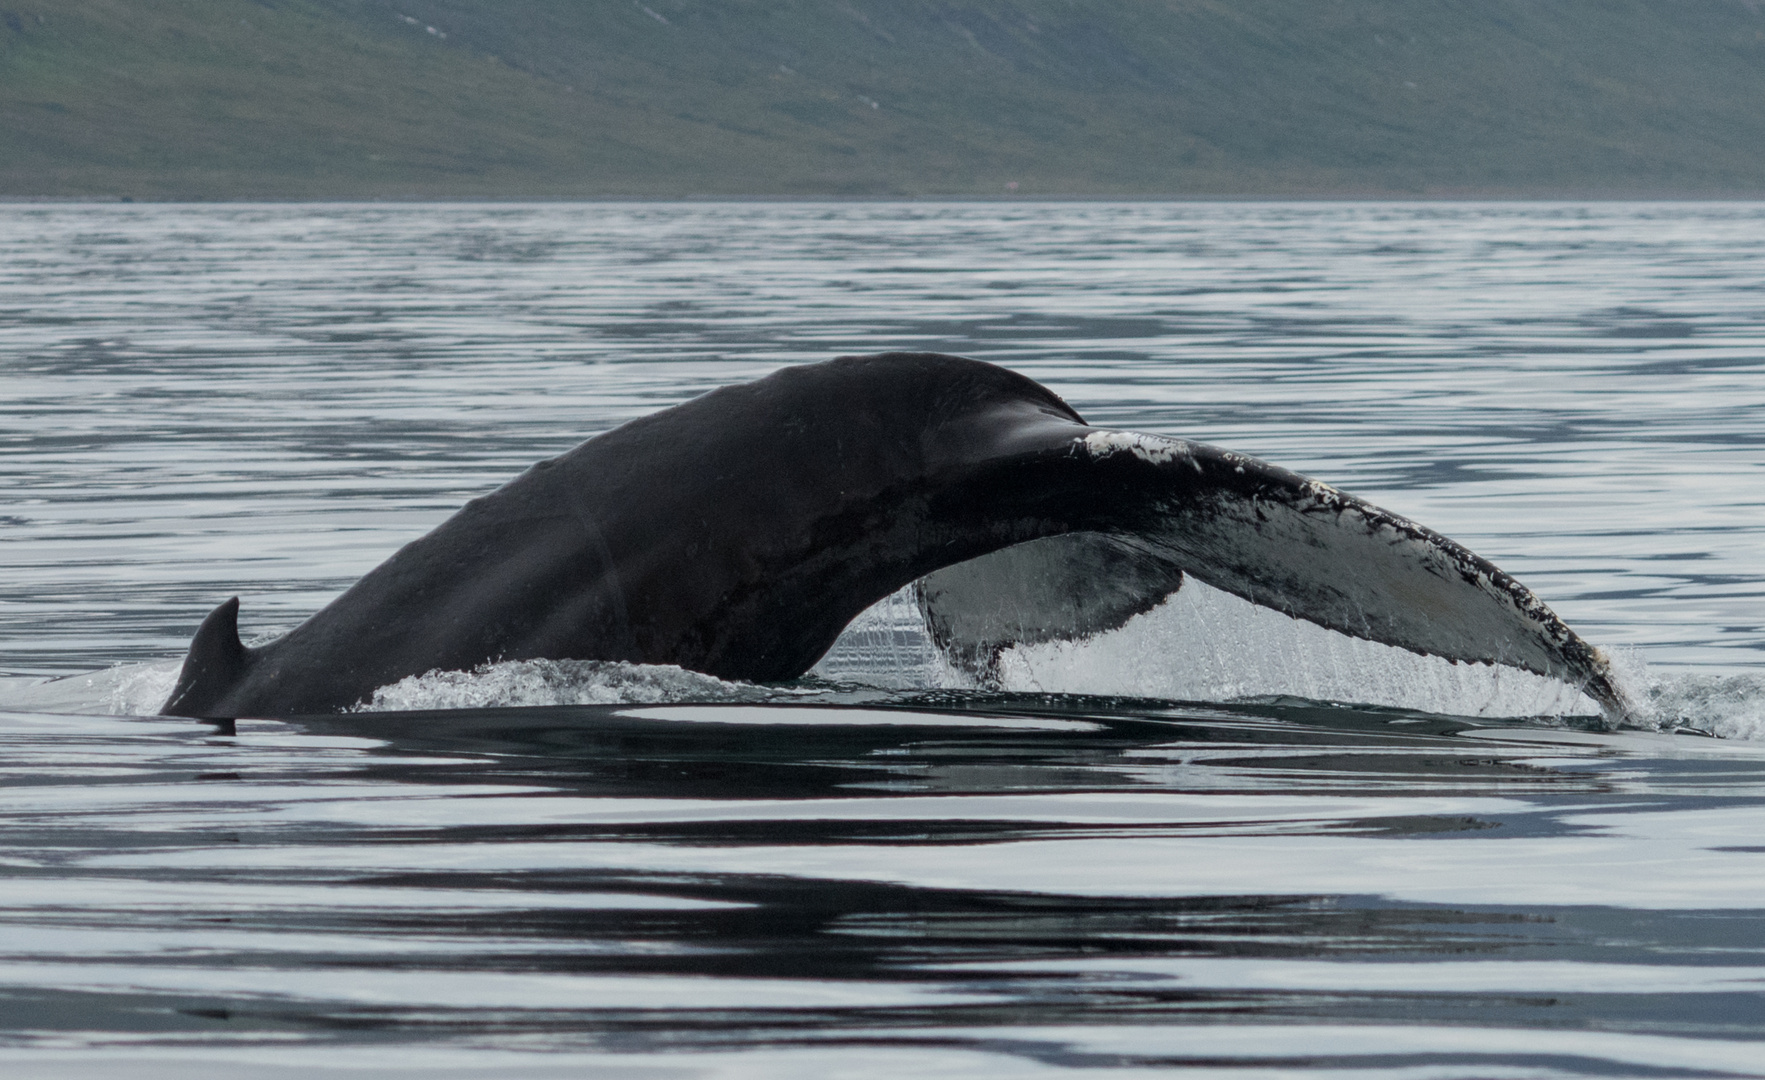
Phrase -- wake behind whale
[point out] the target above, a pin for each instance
(739, 533)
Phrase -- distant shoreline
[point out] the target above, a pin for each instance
(903, 101)
(1026, 200)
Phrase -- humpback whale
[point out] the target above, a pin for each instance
(738, 533)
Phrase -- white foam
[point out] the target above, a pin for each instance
(1732, 706)
(516, 683)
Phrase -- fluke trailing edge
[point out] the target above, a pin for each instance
(737, 535)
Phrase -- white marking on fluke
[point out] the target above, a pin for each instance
(1155, 449)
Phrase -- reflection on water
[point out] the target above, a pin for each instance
(1014, 882)
(877, 871)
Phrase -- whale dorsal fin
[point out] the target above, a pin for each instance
(217, 661)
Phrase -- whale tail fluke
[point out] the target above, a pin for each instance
(215, 664)
(1148, 510)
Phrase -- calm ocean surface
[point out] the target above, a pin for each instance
(1212, 843)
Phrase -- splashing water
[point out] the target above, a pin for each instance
(1206, 645)
(1729, 706)
(119, 690)
(887, 647)
(1201, 645)
(514, 683)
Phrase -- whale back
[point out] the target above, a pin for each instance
(735, 534)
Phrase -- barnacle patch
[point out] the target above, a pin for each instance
(1155, 449)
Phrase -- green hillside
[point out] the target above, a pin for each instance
(580, 98)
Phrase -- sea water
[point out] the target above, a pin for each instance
(1215, 841)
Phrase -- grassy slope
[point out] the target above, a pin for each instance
(350, 98)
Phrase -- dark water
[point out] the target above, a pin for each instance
(1178, 848)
